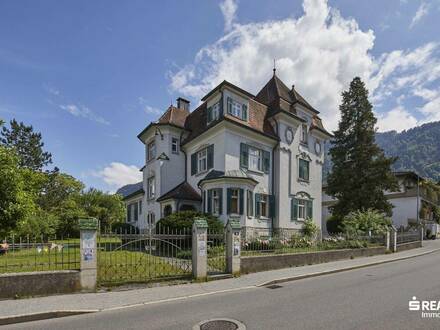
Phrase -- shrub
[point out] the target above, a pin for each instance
(334, 225)
(310, 229)
(184, 220)
(123, 227)
(363, 222)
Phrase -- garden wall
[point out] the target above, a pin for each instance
(39, 283)
(254, 264)
(409, 246)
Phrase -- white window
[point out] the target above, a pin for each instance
(151, 187)
(234, 201)
(304, 133)
(237, 109)
(151, 218)
(301, 209)
(174, 145)
(263, 206)
(216, 111)
(140, 207)
(151, 151)
(215, 201)
(255, 160)
(202, 161)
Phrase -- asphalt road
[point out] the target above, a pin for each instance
(369, 298)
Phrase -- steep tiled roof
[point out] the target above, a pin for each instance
(183, 191)
(317, 124)
(174, 116)
(131, 189)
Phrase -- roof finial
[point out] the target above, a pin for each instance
(274, 67)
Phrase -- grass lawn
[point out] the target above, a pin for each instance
(127, 266)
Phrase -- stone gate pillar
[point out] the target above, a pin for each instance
(200, 249)
(393, 239)
(233, 246)
(88, 253)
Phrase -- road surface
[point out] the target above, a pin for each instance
(369, 298)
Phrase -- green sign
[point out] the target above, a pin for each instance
(200, 223)
(235, 224)
(88, 223)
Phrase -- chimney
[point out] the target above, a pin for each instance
(182, 104)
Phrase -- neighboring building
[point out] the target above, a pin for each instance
(257, 159)
(404, 201)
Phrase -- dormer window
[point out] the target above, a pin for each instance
(304, 134)
(213, 113)
(237, 109)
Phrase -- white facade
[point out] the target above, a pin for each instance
(268, 178)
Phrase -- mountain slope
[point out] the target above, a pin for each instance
(417, 149)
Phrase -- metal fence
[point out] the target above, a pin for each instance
(131, 256)
(29, 254)
(407, 237)
(216, 251)
(283, 242)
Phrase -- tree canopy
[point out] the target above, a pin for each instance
(361, 172)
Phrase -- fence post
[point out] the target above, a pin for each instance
(233, 247)
(199, 249)
(394, 239)
(88, 253)
(388, 240)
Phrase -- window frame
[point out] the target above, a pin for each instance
(151, 187)
(199, 159)
(174, 142)
(258, 156)
(302, 205)
(237, 198)
(151, 155)
(264, 200)
(304, 134)
(306, 161)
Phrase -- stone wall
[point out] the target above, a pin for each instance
(39, 283)
(409, 246)
(262, 263)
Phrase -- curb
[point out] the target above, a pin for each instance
(42, 316)
(333, 271)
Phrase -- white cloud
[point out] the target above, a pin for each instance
(149, 110)
(397, 119)
(229, 9)
(420, 13)
(84, 112)
(51, 90)
(320, 51)
(118, 174)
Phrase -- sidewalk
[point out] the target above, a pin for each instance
(113, 300)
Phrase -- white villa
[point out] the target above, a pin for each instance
(256, 158)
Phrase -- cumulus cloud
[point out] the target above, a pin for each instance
(397, 119)
(149, 110)
(83, 112)
(420, 13)
(229, 9)
(320, 52)
(118, 174)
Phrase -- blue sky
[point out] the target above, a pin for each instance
(90, 75)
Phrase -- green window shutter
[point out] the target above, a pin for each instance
(266, 161)
(309, 205)
(229, 104)
(209, 114)
(209, 201)
(250, 204)
(240, 200)
(257, 205)
(244, 112)
(294, 209)
(244, 155)
(272, 206)
(129, 213)
(228, 200)
(220, 201)
(210, 161)
(193, 163)
(136, 214)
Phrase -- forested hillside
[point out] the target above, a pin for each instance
(417, 149)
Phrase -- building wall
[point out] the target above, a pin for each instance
(404, 208)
